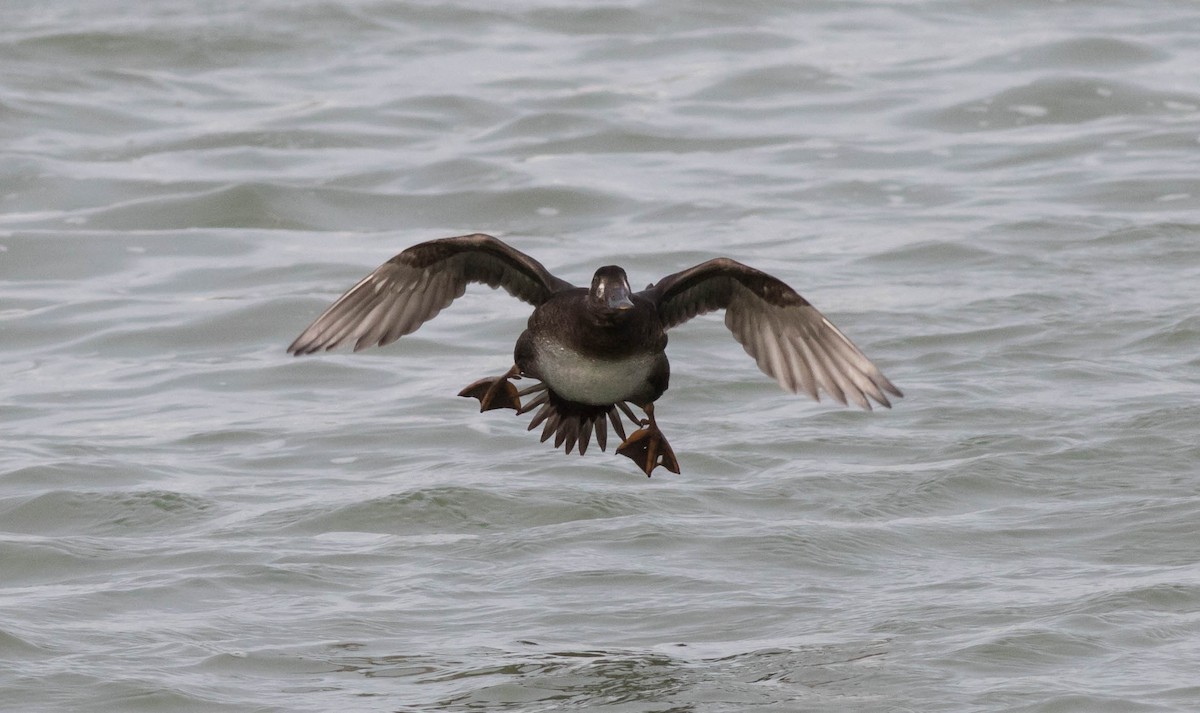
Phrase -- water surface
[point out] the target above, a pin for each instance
(997, 202)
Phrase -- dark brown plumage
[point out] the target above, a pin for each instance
(597, 350)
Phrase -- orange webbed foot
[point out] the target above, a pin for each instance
(495, 393)
(648, 447)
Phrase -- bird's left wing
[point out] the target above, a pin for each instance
(789, 338)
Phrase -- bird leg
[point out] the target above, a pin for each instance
(647, 446)
(497, 392)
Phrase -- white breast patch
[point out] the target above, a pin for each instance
(592, 381)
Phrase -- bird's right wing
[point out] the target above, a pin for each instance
(412, 287)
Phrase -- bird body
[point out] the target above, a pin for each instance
(595, 351)
(576, 376)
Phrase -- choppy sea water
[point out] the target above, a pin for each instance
(996, 201)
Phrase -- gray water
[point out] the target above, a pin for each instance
(997, 201)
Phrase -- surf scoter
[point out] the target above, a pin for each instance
(596, 351)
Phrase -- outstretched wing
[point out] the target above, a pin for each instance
(411, 288)
(791, 341)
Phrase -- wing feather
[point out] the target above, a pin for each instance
(789, 339)
(414, 286)
(837, 385)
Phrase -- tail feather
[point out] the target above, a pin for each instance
(572, 424)
(601, 432)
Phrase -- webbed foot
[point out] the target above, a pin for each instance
(497, 392)
(648, 447)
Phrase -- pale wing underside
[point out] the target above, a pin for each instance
(412, 287)
(791, 341)
(802, 350)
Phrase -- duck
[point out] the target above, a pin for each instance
(597, 353)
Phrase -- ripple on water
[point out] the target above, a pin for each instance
(669, 677)
(1057, 100)
(57, 512)
(997, 201)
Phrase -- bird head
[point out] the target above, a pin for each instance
(610, 290)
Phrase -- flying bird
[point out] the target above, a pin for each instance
(596, 352)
